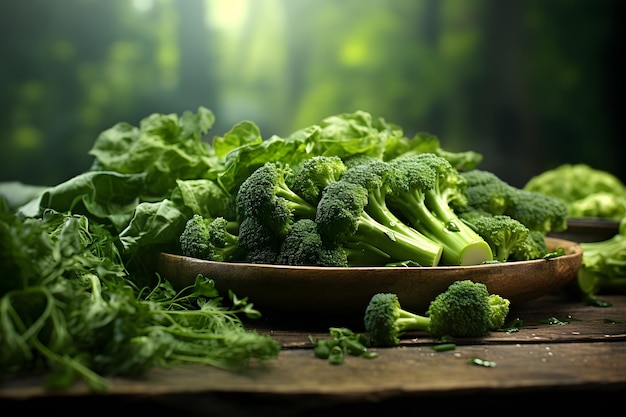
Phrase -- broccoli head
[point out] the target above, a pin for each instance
(303, 246)
(209, 239)
(571, 182)
(194, 240)
(588, 192)
(603, 204)
(485, 191)
(313, 174)
(265, 195)
(538, 211)
(465, 309)
(256, 243)
(385, 320)
(533, 247)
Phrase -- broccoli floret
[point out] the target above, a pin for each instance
(194, 240)
(485, 191)
(604, 205)
(533, 247)
(343, 221)
(503, 233)
(256, 243)
(209, 239)
(265, 195)
(500, 307)
(312, 175)
(538, 211)
(386, 321)
(587, 192)
(304, 246)
(603, 268)
(465, 309)
(427, 187)
(379, 178)
(571, 182)
(223, 242)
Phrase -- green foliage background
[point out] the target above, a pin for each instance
(530, 84)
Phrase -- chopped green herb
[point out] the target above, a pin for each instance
(342, 341)
(444, 347)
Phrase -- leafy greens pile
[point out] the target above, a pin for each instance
(77, 295)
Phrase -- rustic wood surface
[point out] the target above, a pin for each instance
(578, 364)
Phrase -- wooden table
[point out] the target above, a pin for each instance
(578, 365)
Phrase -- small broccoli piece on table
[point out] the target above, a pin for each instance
(342, 220)
(209, 239)
(303, 246)
(312, 175)
(465, 309)
(265, 195)
(426, 190)
(503, 233)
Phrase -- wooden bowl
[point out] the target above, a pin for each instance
(586, 229)
(337, 291)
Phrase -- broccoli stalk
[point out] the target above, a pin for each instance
(465, 309)
(342, 220)
(427, 188)
(265, 195)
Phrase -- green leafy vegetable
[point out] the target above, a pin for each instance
(342, 342)
(69, 308)
(587, 191)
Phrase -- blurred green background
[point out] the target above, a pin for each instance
(529, 84)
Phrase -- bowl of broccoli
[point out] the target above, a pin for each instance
(323, 234)
(338, 290)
